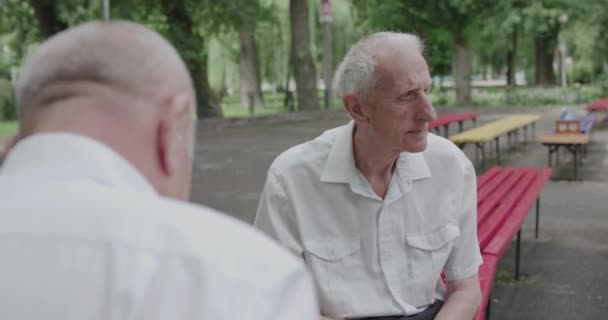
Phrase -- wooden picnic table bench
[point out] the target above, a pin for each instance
(573, 142)
(492, 132)
(444, 120)
(505, 195)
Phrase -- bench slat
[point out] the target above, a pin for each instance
(487, 176)
(499, 244)
(487, 272)
(494, 129)
(501, 214)
(448, 118)
(489, 187)
(492, 201)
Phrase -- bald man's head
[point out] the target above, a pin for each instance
(123, 57)
(121, 84)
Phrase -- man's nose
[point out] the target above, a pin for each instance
(426, 110)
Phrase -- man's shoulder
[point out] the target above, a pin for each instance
(308, 153)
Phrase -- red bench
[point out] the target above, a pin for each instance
(504, 198)
(598, 105)
(444, 120)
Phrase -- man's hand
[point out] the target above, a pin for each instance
(462, 301)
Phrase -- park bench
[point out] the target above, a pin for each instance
(492, 132)
(572, 135)
(444, 120)
(598, 105)
(505, 195)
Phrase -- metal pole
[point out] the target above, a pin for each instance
(517, 254)
(497, 152)
(326, 21)
(537, 217)
(106, 10)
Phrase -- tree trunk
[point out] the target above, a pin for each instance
(544, 48)
(461, 70)
(511, 60)
(251, 86)
(190, 47)
(304, 70)
(48, 17)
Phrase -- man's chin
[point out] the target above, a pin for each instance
(415, 148)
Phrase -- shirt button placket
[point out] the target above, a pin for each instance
(388, 249)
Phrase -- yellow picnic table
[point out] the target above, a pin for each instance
(573, 142)
(492, 132)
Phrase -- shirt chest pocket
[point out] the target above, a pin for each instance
(334, 263)
(427, 253)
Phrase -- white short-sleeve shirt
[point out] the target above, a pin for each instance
(83, 235)
(373, 256)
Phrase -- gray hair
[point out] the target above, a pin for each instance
(355, 74)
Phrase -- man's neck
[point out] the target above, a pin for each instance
(374, 162)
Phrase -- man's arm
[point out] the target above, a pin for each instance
(462, 301)
(275, 215)
(464, 295)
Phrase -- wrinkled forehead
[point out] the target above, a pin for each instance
(401, 68)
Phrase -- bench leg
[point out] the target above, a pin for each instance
(537, 217)
(483, 153)
(459, 126)
(474, 122)
(497, 151)
(517, 254)
(445, 131)
(575, 154)
(487, 317)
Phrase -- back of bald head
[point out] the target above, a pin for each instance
(116, 60)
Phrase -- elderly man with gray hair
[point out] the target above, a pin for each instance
(380, 207)
(93, 223)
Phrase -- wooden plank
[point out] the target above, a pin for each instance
(494, 129)
(489, 187)
(487, 272)
(499, 244)
(563, 138)
(484, 210)
(448, 118)
(487, 176)
(501, 214)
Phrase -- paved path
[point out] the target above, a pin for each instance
(565, 271)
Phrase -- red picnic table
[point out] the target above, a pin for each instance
(600, 104)
(444, 120)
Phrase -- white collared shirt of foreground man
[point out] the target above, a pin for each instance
(93, 218)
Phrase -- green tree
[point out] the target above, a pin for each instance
(432, 20)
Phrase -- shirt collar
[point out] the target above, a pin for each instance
(65, 156)
(340, 165)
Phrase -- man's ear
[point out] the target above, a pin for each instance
(171, 131)
(355, 108)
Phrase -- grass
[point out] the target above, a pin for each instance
(273, 104)
(7, 127)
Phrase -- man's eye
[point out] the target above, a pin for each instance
(407, 96)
